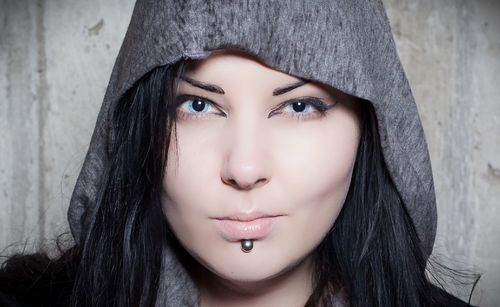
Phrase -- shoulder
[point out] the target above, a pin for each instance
(37, 280)
(7, 301)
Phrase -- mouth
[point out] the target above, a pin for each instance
(249, 226)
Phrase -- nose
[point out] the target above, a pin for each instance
(246, 165)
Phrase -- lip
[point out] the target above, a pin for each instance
(254, 226)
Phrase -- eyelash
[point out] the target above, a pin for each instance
(320, 107)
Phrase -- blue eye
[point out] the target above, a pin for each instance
(196, 105)
(304, 108)
(299, 107)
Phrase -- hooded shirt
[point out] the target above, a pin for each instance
(346, 44)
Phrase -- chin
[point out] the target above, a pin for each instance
(263, 263)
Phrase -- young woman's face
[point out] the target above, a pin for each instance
(259, 156)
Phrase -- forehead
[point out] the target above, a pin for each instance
(227, 64)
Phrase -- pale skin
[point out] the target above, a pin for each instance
(249, 147)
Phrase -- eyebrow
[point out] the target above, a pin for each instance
(218, 90)
(287, 88)
(206, 86)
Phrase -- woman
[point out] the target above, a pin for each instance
(249, 154)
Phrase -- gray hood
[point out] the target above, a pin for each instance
(346, 44)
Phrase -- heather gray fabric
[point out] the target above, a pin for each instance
(346, 44)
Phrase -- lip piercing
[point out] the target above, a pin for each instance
(246, 245)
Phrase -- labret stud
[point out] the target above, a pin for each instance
(246, 245)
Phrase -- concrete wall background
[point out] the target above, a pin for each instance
(56, 57)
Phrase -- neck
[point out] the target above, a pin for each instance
(290, 288)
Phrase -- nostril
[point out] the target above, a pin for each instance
(261, 181)
(228, 181)
(231, 182)
(243, 186)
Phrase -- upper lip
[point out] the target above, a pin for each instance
(247, 217)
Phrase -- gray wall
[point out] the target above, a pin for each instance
(56, 57)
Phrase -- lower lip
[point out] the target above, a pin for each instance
(234, 230)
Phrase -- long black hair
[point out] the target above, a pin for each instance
(372, 254)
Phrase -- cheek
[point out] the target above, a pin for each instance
(190, 165)
(186, 196)
(316, 176)
(318, 164)
(320, 167)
